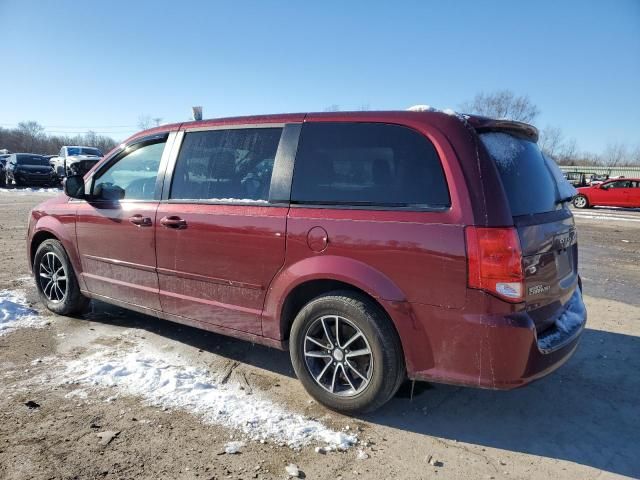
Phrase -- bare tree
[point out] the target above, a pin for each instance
(616, 154)
(555, 145)
(551, 140)
(145, 122)
(157, 121)
(332, 108)
(503, 104)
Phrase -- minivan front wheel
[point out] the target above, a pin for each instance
(56, 280)
(346, 352)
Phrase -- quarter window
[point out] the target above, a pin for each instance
(367, 164)
(232, 165)
(134, 175)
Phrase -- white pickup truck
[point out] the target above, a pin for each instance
(75, 160)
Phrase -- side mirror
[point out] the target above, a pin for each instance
(74, 186)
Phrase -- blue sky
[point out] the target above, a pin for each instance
(75, 65)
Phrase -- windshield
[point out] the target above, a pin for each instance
(533, 183)
(31, 160)
(72, 151)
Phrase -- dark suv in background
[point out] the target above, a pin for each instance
(375, 246)
(24, 169)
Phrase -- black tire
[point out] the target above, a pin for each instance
(386, 371)
(3, 180)
(72, 301)
(580, 201)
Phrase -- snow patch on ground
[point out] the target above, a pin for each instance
(15, 312)
(193, 389)
(29, 190)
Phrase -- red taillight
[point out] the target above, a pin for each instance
(495, 261)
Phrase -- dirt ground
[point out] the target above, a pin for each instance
(582, 422)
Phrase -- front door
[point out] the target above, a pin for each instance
(115, 230)
(612, 193)
(219, 241)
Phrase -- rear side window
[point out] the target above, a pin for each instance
(226, 165)
(533, 183)
(367, 164)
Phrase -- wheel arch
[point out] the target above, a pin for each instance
(299, 283)
(50, 228)
(36, 241)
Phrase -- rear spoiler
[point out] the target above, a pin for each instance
(519, 129)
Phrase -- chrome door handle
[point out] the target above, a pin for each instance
(173, 222)
(140, 221)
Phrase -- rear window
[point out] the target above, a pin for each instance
(533, 183)
(367, 164)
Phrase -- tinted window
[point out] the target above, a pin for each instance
(31, 160)
(367, 164)
(135, 173)
(226, 165)
(533, 183)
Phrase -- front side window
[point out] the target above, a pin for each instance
(226, 165)
(132, 177)
(617, 184)
(367, 164)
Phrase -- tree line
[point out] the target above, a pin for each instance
(553, 142)
(504, 104)
(31, 137)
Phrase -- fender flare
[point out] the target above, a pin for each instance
(325, 267)
(64, 234)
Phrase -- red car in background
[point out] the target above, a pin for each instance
(620, 192)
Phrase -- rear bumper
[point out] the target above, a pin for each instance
(497, 351)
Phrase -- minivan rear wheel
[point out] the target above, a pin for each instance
(346, 352)
(56, 280)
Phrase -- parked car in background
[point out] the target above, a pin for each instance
(599, 178)
(75, 160)
(619, 192)
(374, 246)
(24, 169)
(578, 179)
(3, 162)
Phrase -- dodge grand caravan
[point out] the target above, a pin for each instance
(374, 246)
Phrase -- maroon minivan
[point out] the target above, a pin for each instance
(375, 246)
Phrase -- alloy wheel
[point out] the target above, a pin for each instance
(52, 277)
(338, 356)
